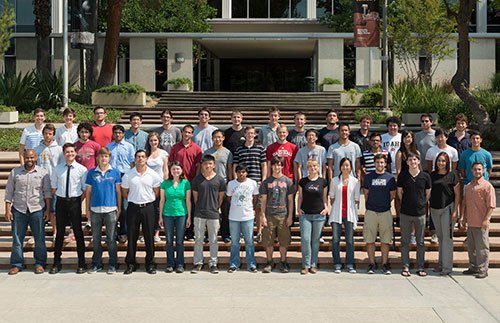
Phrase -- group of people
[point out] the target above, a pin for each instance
(201, 182)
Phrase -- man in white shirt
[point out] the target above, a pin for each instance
(67, 133)
(441, 138)
(391, 141)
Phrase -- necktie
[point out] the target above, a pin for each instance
(67, 180)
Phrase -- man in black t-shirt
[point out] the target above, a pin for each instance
(234, 135)
(414, 190)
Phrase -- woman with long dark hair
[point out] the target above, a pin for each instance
(408, 145)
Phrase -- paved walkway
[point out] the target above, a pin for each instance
(246, 297)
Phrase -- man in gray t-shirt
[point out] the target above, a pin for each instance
(169, 134)
(425, 139)
(310, 151)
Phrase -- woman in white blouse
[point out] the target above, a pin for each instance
(157, 161)
(344, 197)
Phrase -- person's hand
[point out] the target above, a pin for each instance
(301, 212)
(324, 212)
(118, 213)
(188, 222)
(454, 215)
(485, 224)
(8, 215)
(160, 221)
(263, 220)
(46, 215)
(289, 221)
(87, 214)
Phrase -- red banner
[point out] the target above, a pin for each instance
(366, 23)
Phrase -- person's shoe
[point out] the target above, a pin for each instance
(130, 269)
(70, 238)
(269, 267)
(284, 267)
(258, 238)
(322, 241)
(227, 240)
(337, 269)
(197, 268)
(434, 239)
(413, 239)
(151, 270)
(55, 269)
(386, 269)
(206, 240)
(179, 269)
(371, 269)
(31, 240)
(469, 272)
(482, 275)
(437, 269)
(253, 270)
(39, 270)
(303, 271)
(313, 270)
(111, 270)
(81, 270)
(214, 269)
(14, 271)
(94, 270)
(232, 269)
(350, 269)
(157, 239)
(141, 239)
(169, 270)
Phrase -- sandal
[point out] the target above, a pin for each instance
(421, 273)
(405, 272)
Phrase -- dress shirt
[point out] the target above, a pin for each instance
(138, 140)
(26, 191)
(140, 187)
(122, 155)
(77, 184)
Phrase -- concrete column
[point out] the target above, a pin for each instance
(73, 64)
(182, 46)
(368, 67)
(311, 9)
(142, 62)
(25, 55)
(57, 20)
(481, 16)
(226, 9)
(482, 61)
(447, 67)
(331, 59)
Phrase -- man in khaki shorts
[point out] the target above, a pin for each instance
(379, 188)
(277, 193)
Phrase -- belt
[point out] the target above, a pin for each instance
(141, 204)
(69, 199)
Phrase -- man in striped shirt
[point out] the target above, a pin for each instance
(32, 135)
(368, 157)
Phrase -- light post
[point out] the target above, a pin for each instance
(385, 61)
(65, 55)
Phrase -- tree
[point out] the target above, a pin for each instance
(340, 17)
(462, 14)
(417, 26)
(7, 21)
(43, 28)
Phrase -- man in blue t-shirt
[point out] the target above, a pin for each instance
(104, 199)
(379, 188)
(472, 155)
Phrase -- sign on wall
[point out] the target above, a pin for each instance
(366, 23)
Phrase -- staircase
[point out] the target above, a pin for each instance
(254, 106)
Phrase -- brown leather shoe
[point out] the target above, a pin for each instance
(14, 270)
(303, 271)
(313, 270)
(39, 270)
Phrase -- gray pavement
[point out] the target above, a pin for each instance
(246, 297)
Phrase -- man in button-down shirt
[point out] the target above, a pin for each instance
(68, 183)
(26, 195)
(137, 137)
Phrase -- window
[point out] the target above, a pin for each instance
(323, 8)
(217, 4)
(269, 9)
(24, 16)
(298, 9)
(258, 9)
(239, 9)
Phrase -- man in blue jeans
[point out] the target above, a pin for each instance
(104, 200)
(22, 209)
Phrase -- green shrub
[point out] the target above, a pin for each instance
(372, 96)
(329, 80)
(490, 100)
(126, 88)
(9, 139)
(17, 91)
(83, 113)
(49, 90)
(178, 82)
(376, 115)
(495, 82)
(410, 96)
(4, 108)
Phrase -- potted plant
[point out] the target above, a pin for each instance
(331, 85)
(8, 114)
(179, 84)
(125, 94)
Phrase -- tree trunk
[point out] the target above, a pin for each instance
(41, 9)
(111, 43)
(458, 81)
(91, 59)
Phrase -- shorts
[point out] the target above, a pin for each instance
(377, 222)
(276, 226)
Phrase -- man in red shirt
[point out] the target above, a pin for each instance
(102, 132)
(187, 153)
(283, 149)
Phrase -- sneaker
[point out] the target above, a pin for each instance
(232, 269)
(269, 267)
(371, 269)
(337, 269)
(322, 241)
(31, 240)
(434, 239)
(227, 240)
(350, 269)
(413, 239)
(111, 270)
(179, 270)
(94, 270)
(169, 269)
(253, 270)
(482, 275)
(141, 239)
(386, 269)
(258, 238)
(284, 267)
(469, 272)
(197, 268)
(157, 239)
(214, 269)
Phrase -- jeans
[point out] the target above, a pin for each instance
(97, 220)
(177, 224)
(444, 230)
(19, 225)
(418, 222)
(311, 226)
(349, 239)
(212, 226)
(245, 228)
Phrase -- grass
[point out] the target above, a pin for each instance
(9, 139)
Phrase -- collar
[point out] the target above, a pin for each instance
(98, 169)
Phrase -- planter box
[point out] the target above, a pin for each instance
(181, 88)
(350, 99)
(119, 99)
(332, 87)
(414, 118)
(9, 117)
